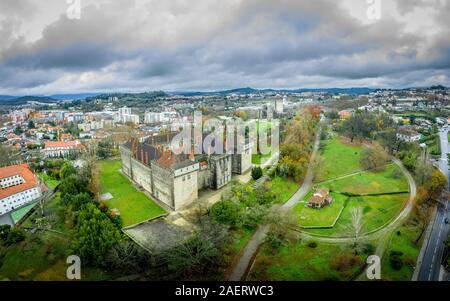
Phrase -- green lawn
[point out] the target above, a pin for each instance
(325, 217)
(390, 180)
(134, 206)
(297, 261)
(260, 158)
(240, 239)
(42, 256)
(402, 240)
(339, 159)
(378, 211)
(283, 188)
(50, 182)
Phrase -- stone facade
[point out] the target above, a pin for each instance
(174, 180)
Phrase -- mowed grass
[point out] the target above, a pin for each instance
(378, 211)
(51, 183)
(134, 206)
(297, 261)
(339, 159)
(283, 188)
(261, 158)
(403, 239)
(325, 217)
(390, 180)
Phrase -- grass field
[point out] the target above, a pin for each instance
(283, 189)
(51, 183)
(343, 159)
(298, 261)
(390, 180)
(260, 158)
(378, 211)
(402, 240)
(325, 217)
(134, 206)
(339, 159)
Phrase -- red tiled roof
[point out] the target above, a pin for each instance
(30, 179)
(317, 200)
(70, 144)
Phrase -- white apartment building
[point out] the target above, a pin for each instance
(18, 187)
(125, 116)
(61, 149)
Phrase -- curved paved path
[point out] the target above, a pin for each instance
(250, 251)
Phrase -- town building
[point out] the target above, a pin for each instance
(61, 149)
(320, 198)
(408, 134)
(18, 187)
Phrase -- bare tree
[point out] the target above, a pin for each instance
(357, 225)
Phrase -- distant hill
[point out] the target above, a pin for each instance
(73, 96)
(7, 97)
(25, 99)
(249, 90)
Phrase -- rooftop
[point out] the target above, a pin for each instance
(30, 179)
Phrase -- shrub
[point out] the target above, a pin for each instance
(312, 245)
(368, 249)
(345, 262)
(257, 173)
(396, 260)
(274, 240)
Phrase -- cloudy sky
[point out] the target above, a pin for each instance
(179, 45)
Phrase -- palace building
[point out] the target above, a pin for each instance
(175, 179)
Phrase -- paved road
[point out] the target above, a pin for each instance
(252, 246)
(431, 261)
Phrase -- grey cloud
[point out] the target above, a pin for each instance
(185, 45)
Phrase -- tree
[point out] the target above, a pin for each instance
(356, 225)
(423, 168)
(227, 212)
(77, 201)
(280, 222)
(10, 236)
(200, 256)
(257, 172)
(423, 210)
(436, 185)
(333, 115)
(126, 257)
(66, 170)
(4, 232)
(94, 236)
(374, 158)
(31, 124)
(5, 155)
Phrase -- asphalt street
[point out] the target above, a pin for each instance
(431, 262)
